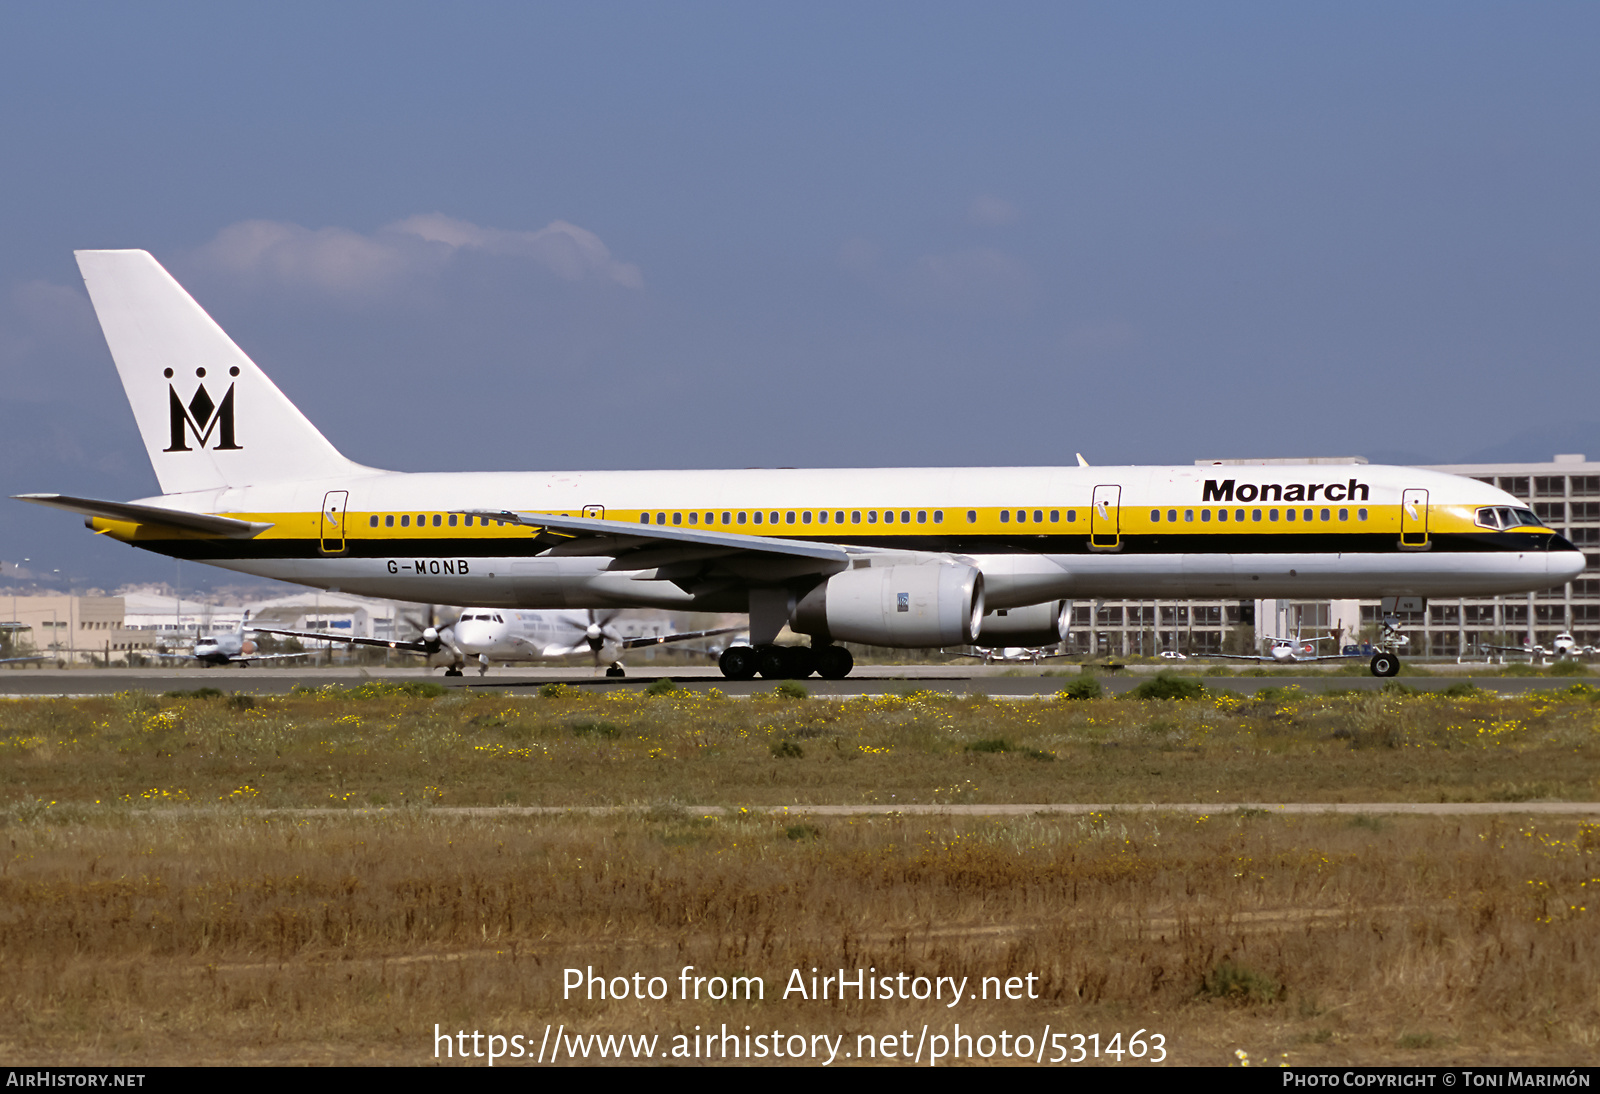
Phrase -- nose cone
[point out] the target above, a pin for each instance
(1564, 561)
(473, 637)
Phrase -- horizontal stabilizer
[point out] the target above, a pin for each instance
(204, 523)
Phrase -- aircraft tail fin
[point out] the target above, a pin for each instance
(210, 418)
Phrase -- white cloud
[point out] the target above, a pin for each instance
(988, 211)
(565, 249)
(982, 280)
(335, 259)
(344, 261)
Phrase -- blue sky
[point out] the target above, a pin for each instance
(534, 237)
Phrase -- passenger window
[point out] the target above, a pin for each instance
(1288, 514)
(1238, 514)
(1038, 517)
(772, 518)
(1188, 516)
(1361, 514)
(405, 520)
(805, 518)
(661, 518)
(1255, 515)
(1022, 516)
(1072, 516)
(789, 517)
(888, 516)
(694, 518)
(972, 516)
(1205, 516)
(373, 522)
(905, 516)
(872, 516)
(422, 520)
(822, 516)
(1326, 514)
(677, 518)
(741, 518)
(1344, 514)
(452, 520)
(855, 516)
(1005, 516)
(838, 516)
(1155, 515)
(755, 518)
(938, 516)
(1172, 515)
(1055, 516)
(1222, 514)
(922, 516)
(1272, 514)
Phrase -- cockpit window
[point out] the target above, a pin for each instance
(1504, 516)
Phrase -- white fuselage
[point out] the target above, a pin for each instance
(1161, 547)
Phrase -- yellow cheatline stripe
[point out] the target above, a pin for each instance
(1131, 520)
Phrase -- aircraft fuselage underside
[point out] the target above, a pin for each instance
(1010, 580)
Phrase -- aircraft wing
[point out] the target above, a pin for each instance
(20, 660)
(676, 553)
(204, 523)
(1301, 659)
(686, 636)
(324, 636)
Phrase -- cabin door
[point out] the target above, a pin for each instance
(1414, 518)
(1105, 518)
(331, 534)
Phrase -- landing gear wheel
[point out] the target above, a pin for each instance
(738, 662)
(802, 661)
(773, 662)
(1385, 664)
(615, 669)
(452, 671)
(834, 662)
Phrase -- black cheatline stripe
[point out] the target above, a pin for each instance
(1281, 543)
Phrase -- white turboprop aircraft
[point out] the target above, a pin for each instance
(1562, 648)
(908, 558)
(500, 635)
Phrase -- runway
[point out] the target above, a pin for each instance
(993, 680)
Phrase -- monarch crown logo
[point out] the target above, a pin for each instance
(201, 416)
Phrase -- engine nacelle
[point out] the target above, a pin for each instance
(1036, 625)
(908, 607)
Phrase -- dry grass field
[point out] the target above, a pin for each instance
(165, 898)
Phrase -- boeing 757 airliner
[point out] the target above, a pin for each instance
(904, 557)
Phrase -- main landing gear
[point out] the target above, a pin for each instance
(786, 662)
(1385, 664)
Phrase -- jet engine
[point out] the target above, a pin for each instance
(909, 607)
(1036, 625)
